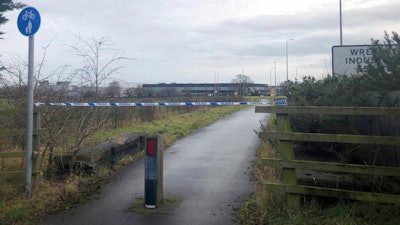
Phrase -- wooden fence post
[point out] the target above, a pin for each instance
(36, 148)
(287, 153)
(288, 161)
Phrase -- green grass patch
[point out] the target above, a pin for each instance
(14, 213)
(174, 127)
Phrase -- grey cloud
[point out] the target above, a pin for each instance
(189, 37)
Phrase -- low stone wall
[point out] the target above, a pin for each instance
(101, 155)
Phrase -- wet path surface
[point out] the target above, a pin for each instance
(207, 171)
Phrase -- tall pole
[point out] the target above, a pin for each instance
(270, 75)
(287, 63)
(28, 24)
(215, 83)
(341, 31)
(275, 73)
(29, 116)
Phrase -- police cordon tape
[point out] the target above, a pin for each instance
(138, 104)
(281, 102)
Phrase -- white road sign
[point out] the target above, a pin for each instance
(350, 59)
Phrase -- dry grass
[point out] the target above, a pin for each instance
(270, 208)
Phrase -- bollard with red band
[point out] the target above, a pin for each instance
(153, 173)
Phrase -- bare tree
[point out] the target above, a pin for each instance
(67, 127)
(130, 92)
(96, 68)
(242, 79)
(241, 82)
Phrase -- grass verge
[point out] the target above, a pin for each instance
(173, 127)
(270, 208)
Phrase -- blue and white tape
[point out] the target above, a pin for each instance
(281, 102)
(138, 104)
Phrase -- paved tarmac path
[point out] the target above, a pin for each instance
(208, 171)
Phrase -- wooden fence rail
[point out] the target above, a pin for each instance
(22, 132)
(289, 165)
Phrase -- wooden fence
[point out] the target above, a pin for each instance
(289, 165)
(7, 154)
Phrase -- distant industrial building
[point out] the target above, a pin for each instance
(207, 89)
(66, 89)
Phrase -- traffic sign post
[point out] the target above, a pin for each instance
(28, 21)
(28, 24)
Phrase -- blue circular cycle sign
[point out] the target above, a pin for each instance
(28, 21)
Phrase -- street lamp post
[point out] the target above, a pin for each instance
(287, 63)
(270, 75)
(275, 71)
(341, 31)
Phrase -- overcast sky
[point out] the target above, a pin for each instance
(201, 41)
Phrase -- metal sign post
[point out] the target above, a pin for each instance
(28, 25)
